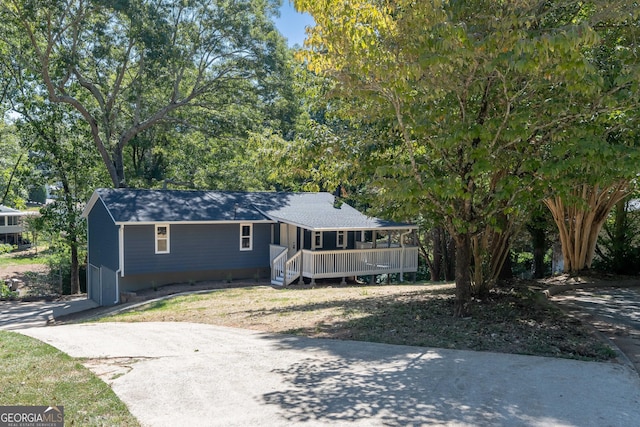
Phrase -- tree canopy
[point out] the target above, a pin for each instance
(473, 94)
(127, 66)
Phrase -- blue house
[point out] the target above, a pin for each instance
(138, 239)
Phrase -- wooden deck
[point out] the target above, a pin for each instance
(341, 263)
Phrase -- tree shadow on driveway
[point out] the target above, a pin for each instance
(346, 382)
(612, 311)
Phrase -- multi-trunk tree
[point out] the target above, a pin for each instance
(476, 92)
(594, 165)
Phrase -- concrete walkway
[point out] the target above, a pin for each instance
(172, 374)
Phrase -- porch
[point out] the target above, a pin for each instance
(317, 264)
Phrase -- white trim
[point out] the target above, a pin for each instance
(336, 228)
(167, 238)
(244, 221)
(345, 239)
(121, 250)
(243, 237)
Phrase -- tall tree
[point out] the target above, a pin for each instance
(126, 66)
(13, 167)
(66, 160)
(474, 90)
(592, 167)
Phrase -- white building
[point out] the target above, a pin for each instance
(12, 225)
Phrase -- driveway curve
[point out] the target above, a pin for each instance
(613, 311)
(172, 374)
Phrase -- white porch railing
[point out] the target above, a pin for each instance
(275, 250)
(10, 229)
(359, 262)
(283, 270)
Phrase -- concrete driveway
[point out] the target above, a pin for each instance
(24, 314)
(614, 312)
(172, 374)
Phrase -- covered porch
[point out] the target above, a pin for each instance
(12, 225)
(363, 259)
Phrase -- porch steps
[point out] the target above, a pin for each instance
(278, 281)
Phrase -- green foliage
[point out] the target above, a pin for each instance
(476, 101)
(619, 249)
(6, 292)
(126, 67)
(14, 168)
(5, 248)
(60, 270)
(480, 107)
(38, 194)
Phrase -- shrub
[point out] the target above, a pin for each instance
(6, 292)
(60, 272)
(5, 248)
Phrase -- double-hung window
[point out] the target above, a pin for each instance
(162, 238)
(341, 239)
(246, 237)
(317, 240)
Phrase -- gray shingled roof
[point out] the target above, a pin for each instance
(313, 211)
(6, 209)
(316, 211)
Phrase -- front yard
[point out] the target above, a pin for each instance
(511, 320)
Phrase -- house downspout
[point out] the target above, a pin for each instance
(117, 287)
(402, 256)
(120, 270)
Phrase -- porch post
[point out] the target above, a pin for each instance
(374, 245)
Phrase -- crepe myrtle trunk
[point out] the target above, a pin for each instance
(463, 275)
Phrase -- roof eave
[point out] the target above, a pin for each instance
(204, 222)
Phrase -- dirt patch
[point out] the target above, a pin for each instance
(29, 280)
(19, 271)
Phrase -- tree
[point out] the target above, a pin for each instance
(538, 226)
(619, 250)
(127, 66)
(67, 160)
(594, 166)
(13, 168)
(472, 91)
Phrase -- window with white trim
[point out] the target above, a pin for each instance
(341, 239)
(246, 237)
(317, 240)
(162, 238)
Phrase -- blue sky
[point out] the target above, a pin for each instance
(292, 24)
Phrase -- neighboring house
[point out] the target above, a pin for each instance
(139, 239)
(12, 225)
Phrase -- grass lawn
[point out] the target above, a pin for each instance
(36, 374)
(514, 320)
(25, 257)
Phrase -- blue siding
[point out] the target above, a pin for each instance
(329, 240)
(102, 238)
(194, 247)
